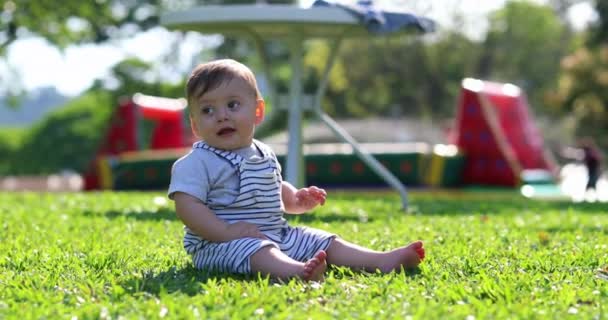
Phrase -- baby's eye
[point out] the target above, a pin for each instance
(207, 110)
(233, 105)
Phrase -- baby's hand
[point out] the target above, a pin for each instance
(244, 229)
(308, 198)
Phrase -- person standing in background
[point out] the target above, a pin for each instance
(592, 158)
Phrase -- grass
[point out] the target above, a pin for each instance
(489, 255)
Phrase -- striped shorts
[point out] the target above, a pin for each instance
(299, 243)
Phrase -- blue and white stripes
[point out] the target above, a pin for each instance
(258, 202)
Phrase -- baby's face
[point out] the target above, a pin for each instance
(225, 117)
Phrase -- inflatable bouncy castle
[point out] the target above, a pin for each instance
(140, 122)
(147, 134)
(496, 132)
(494, 141)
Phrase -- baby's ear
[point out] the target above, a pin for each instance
(260, 106)
(193, 127)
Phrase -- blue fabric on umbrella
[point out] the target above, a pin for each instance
(379, 21)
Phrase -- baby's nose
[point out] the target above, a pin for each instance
(221, 114)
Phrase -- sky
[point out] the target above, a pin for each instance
(73, 71)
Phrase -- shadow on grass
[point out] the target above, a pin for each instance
(461, 202)
(145, 215)
(498, 206)
(346, 273)
(452, 204)
(586, 230)
(191, 281)
(169, 214)
(187, 280)
(326, 218)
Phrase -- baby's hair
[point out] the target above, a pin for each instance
(210, 75)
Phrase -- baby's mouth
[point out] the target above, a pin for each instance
(225, 131)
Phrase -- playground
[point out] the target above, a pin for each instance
(509, 229)
(492, 143)
(493, 140)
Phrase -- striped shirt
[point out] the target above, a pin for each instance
(258, 200)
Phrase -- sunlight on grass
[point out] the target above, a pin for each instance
(489, 255)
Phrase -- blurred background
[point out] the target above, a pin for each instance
(64, 70)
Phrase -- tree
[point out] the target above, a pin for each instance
(71, 22)
(582, 90)
(599, 31)
(132, 75)
(524, 46)
(75, 22)
(396, 76)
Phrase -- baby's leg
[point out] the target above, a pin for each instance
(271, 261)
(344, 253)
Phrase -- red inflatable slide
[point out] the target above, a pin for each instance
(497, 134)
(142, 122)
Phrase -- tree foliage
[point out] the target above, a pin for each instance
(406, 76)
(132, 75)
(524, 46)
(75, 22)
(382, 76)
(65, 140)
(599, 31)
(413, 76)
(582, 91)
(583, 85)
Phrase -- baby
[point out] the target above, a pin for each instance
(229, 193)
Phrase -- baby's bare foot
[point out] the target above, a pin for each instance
(408, 257)
(314, 269)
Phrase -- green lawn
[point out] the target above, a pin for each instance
(489, 255)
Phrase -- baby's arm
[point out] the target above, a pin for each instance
(204, 223)
(297, 201)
